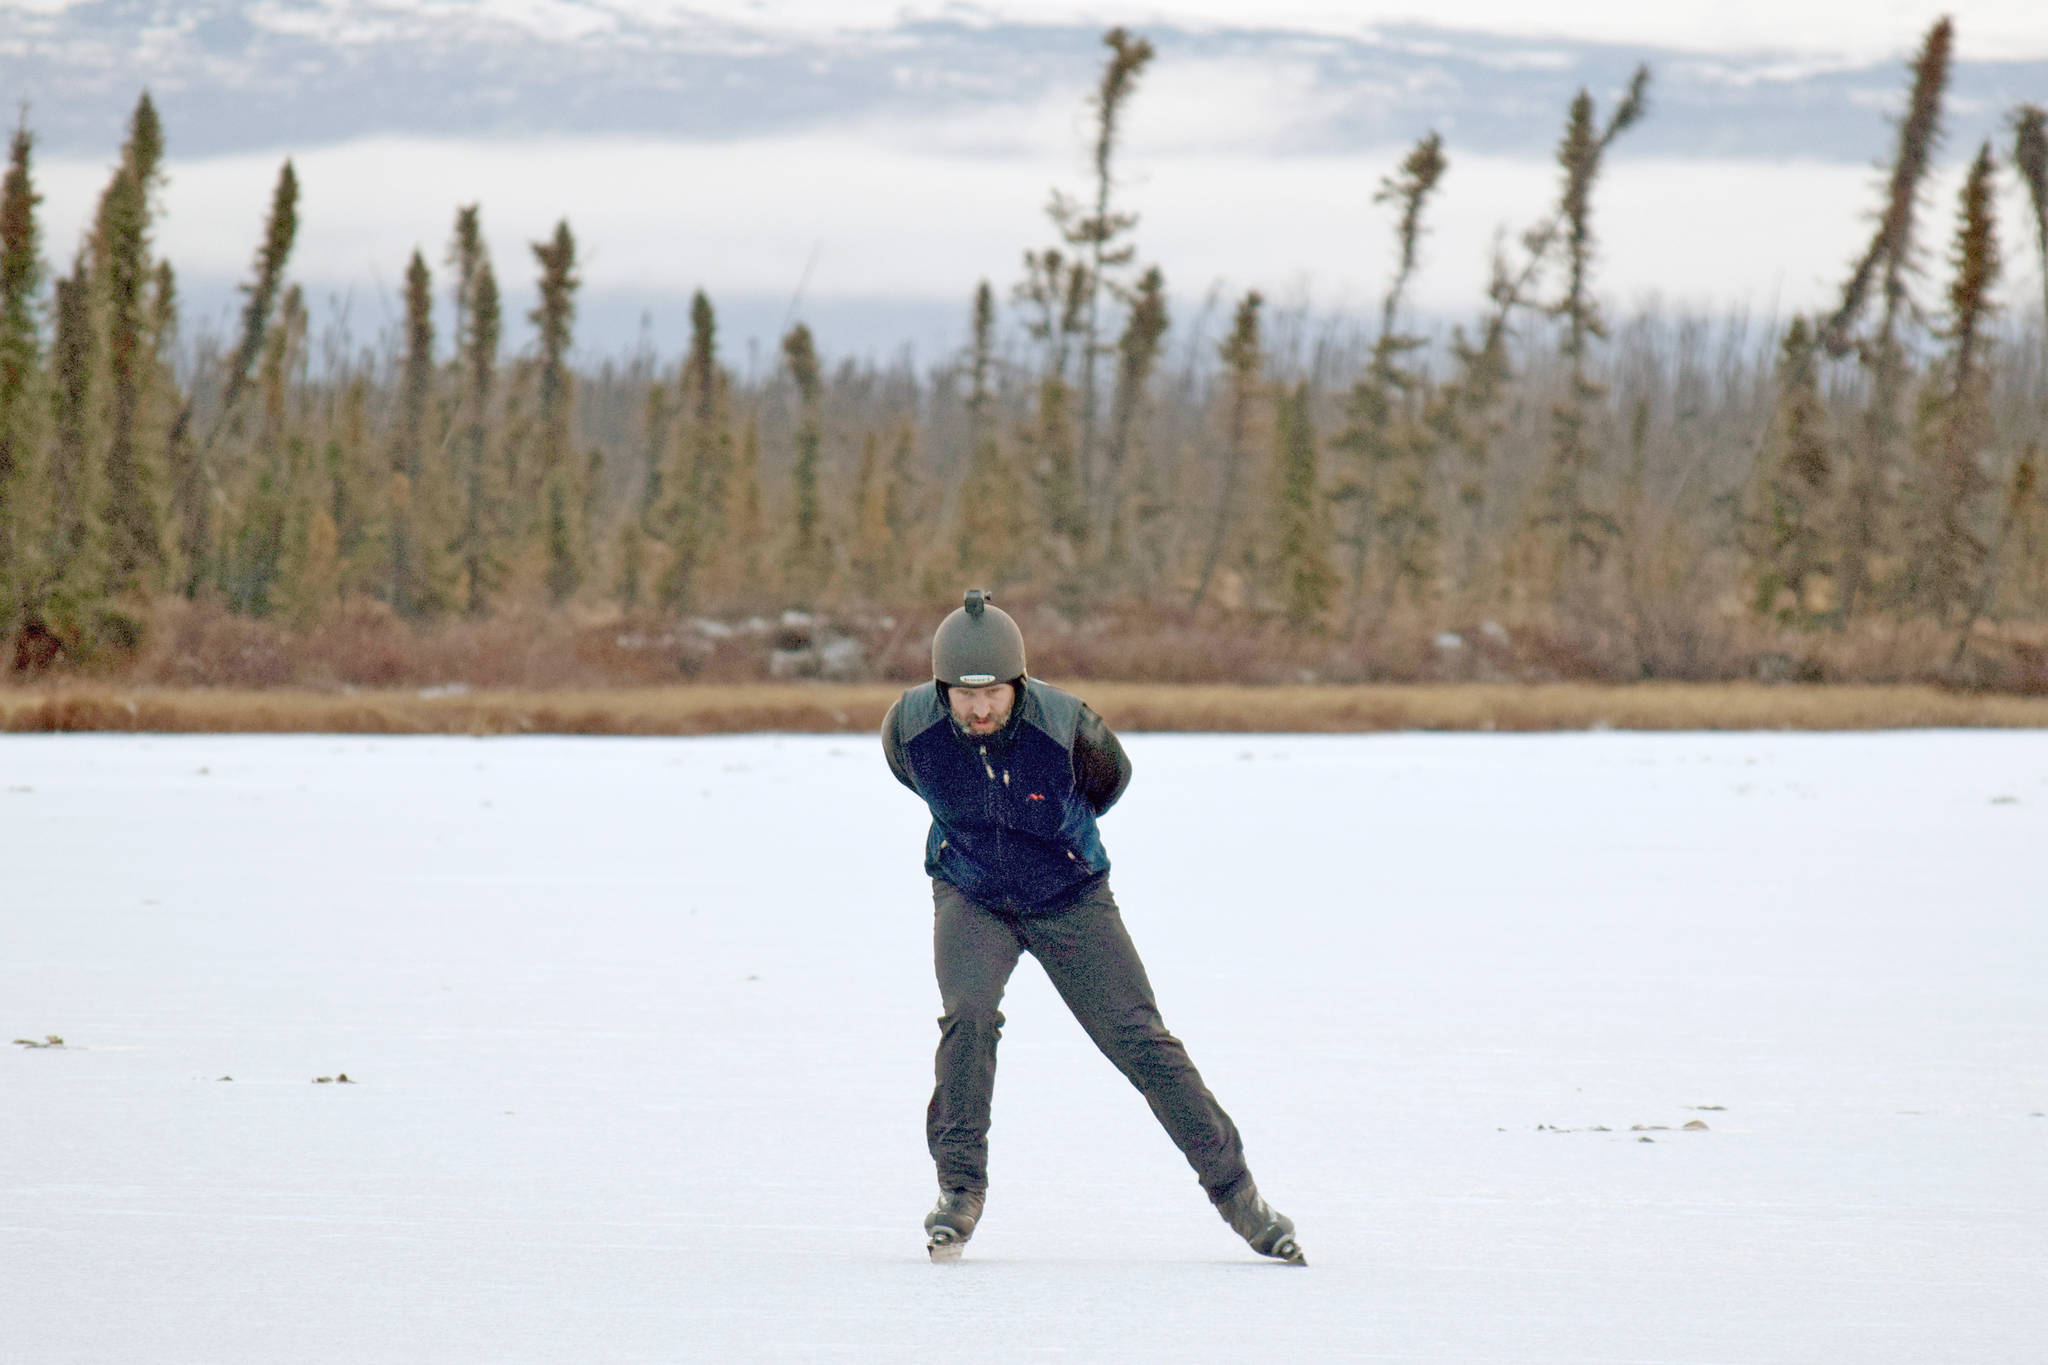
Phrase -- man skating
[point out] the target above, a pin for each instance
(1015, 773)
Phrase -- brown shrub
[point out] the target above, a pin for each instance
(364, 645)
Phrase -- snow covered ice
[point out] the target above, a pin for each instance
(639, 1039)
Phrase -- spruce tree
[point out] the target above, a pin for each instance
(410, 585)
(990, 526)
(1582, 532)
(476, 541)
(1956, 428)
(1786, 532)
(267, 552)
(1386, 488)
(1097, 234)
(805, 564)
(562, 540)
(554, 318)
(1055, 294)
(1305, 578)
(1881, 349)
(1463, 414)
(192, 495)
(195, 463)
(566, 533)
(522, 500)
(629, 589)
(1460, 415)
(22, 491)
(2030, 159)
(357, 479)
(122, 270)
(75, 546)
(266, 283)
(469, 259)
(694, 519)
(1137, 353)
(1243, 356)
(282, 363)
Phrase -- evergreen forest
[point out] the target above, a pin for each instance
(1540, 491)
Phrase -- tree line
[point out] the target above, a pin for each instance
(1876, 461)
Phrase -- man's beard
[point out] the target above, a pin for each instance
(967, 730)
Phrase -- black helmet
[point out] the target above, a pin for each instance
(977, 645)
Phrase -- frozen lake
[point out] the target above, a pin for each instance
(639, 1038)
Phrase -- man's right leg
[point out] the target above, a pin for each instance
(974, 951)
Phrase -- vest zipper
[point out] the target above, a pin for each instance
(989, 804)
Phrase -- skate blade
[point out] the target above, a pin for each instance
(943, 1251)
(1289, 1251)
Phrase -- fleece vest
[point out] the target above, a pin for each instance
(1009, 827)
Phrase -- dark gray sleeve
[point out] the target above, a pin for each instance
(1101, 767)
(892, 746)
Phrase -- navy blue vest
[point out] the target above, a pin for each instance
(1009, 827)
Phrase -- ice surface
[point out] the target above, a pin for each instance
(639, 1033)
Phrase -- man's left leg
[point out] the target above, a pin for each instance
(1090, 959)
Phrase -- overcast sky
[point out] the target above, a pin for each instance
(1859, 29)
(1226, 157)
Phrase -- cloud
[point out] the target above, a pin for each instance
(1862, 29)
(749, 215)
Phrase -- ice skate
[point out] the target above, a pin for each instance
(1268, 1233)
(951, 1222)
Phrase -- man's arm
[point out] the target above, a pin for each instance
(892, 746)
(1101, 767)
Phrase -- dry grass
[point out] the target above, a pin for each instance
(1559, 706)
(441, 711)
(821, 708)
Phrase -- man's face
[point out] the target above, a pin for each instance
(982, 710)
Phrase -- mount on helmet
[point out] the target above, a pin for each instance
(978, 644)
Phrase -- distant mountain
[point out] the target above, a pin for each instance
(235, 76)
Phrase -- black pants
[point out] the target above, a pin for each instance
(1093, 965)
